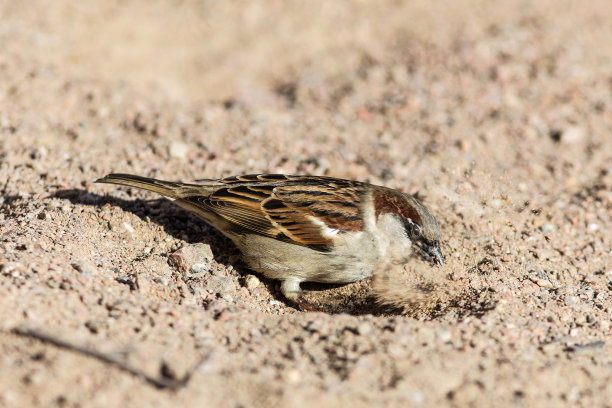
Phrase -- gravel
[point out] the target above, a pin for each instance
(497, 114)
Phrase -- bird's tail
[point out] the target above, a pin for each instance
(165, 188)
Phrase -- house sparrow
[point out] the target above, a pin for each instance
(305, 228)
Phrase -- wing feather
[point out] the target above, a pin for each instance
(303, 210)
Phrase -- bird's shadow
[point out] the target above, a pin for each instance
(185, 226)
(175, 221)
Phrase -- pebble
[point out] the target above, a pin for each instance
(84, 268)
(571, 300)
(199, 268)
(128, 227)
(178, 150)
(572, 134)
(172, 369)
(496, 203)
(220, 285)
(544, 283)
(364, 328)
(34, 378)
(96, 326)
(251, 282)
(548, 228)
(293, 376)
(190, 255)
(592, 227)
(445, 336)
(417, 397)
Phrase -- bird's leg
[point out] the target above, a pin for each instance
(290, 288)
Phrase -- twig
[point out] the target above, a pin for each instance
(159, 382)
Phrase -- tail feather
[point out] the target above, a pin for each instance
(165, 188)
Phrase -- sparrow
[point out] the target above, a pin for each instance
(305, 228)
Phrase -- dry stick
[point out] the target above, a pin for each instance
(172, 383)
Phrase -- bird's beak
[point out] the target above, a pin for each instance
(436, 254)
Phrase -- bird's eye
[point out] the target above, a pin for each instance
(413, 229)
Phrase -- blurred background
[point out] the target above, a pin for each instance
(215, 50)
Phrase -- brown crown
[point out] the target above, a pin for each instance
(389, 201)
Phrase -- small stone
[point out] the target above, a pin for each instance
(592, 227)
(580, 320)
(42, 215)
(220, 284)
(364, 328)
(199, 268)
(293, 376)
(571, 300)
(219, 272)
(190, 255)
(548, 228)
(172, 370)
(251, 282)
(544, 283)
(573, 134)
(496, 203)
(417, 397)
(96, 326)
(84, 268)
(34, 378)
(12, 268)
(445, 336)
(573, 395)
(128, 227)
(178, 150)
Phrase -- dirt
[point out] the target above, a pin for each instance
(497, 114)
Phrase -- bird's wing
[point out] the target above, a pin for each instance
(303, 210)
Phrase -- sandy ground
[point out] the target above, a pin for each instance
(498, 114)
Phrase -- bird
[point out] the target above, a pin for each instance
(301, 228)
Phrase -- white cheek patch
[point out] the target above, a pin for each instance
(392, 242)
(325, 230)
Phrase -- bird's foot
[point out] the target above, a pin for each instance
(291, 290)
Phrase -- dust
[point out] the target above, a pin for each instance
(414, 288)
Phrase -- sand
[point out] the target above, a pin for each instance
(497, 114)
